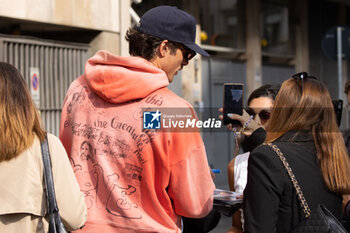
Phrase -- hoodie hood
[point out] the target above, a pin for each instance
(121, 79)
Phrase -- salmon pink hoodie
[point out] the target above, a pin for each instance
(134, 180)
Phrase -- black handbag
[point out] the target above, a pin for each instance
(320, 219)
(55, 222)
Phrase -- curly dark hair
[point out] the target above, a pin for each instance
(145, 45)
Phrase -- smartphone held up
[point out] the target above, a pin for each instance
(233, 102)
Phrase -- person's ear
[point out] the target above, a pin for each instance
(163, 48)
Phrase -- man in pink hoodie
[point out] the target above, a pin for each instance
(137, 179)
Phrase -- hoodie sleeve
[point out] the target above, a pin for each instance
(191, 187)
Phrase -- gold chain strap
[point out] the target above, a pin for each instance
(300, 194)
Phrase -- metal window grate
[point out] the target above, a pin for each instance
(59, 64)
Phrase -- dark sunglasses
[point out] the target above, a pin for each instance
(302, 76)
(264, 114)
(187, 53)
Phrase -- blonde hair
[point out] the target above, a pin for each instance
(310, 108)
(19, 118)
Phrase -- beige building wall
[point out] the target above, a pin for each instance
(106, 41)
(192, 77)
(94, 14)
(111, 17)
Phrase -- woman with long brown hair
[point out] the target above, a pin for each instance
(303, 126)
(22, 194)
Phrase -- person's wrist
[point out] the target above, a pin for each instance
(253, 126)
(244, 127)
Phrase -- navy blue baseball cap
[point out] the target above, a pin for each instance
(173, 24)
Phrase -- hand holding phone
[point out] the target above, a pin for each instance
(233, 102)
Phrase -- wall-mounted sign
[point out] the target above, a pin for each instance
(35, 85)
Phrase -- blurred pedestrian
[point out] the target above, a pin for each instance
(22, 194)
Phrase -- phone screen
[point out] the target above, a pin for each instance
(233, 101)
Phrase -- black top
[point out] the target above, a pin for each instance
(254, 140)
(270, 201)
